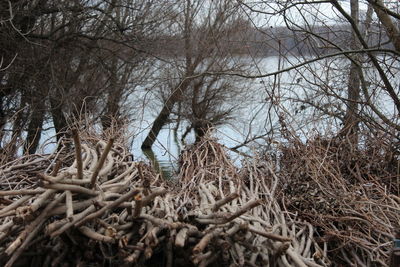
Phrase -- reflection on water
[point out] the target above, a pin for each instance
(164, 153)
(166, 168)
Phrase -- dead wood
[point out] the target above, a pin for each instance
(105, 206)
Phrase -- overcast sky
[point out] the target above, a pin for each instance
(318, 13)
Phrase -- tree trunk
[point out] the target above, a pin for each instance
(177, 93)
(115, 91)
(112, 110)
(353, 94)
(59, 121)
(18, 125)
(34, 129)
(392, 30)
(163, 116)
(200, 130)
(351, 120)
(3, 121)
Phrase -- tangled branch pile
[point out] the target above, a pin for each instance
(106, 209)
(350, 194)
(269, 236)
(326, 203)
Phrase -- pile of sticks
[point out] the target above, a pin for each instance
(106, 209)
(350, 194)
(238, 209)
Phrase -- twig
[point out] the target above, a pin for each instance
(295, 257)
(68, 204)
(78, 153)
(15, 204)
(21, 192)
(271, 236)
(197, 258)
(110, 206)
(56, 168)
(147, 200)
(206, 240)
(62, 227)
(133, 258)
(138, 206)
(218, 220)
(181, 237)
(55, 180)
(224, 201)
(100, 163)
(72, 188)
(160, 222)
(40, 201)
(30, 231)
(96, 236)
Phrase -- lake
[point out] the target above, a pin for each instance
(256, 111)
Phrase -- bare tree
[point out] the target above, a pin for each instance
(314, 50)
(70, 54)
(204, 28)
(353, 95)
